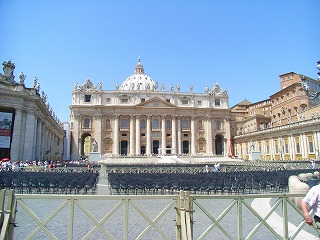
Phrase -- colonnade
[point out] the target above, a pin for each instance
(35, 138)
(296, 146)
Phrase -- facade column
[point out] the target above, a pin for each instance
(116, 136)
(132, 135)
(179, 137)
(174, 135)
(193, 136)
(209, 136)
(29, 137)
(138, 144)
(76, 145)
(214, 130)
(98, 130)
(226, 126)
(17, 142)
(148, 150)
(163, 136)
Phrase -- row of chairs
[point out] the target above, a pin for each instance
(210, 183)
(49, 182)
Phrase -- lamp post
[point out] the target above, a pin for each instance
(312, 94)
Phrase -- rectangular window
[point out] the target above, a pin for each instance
(277, 149)
(168, 100)
(298, 147)
(185, 102)
(217, 102)
(287, 147)
(124, 100)
(199, 103)
(185, 135)
(124, 135)
(108, 100)
(143, 99)
(311, 147)
(87, 98)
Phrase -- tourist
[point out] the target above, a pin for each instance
(207, 168)
(313, 162)
(312, 200)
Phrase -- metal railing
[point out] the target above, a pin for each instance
(182, 216)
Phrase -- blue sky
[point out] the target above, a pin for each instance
(242, 45)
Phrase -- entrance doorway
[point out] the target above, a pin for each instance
(124, 147)
(155, 146)
(185, 147)
(143, 150)
(219, 144)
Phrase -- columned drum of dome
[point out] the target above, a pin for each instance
(142, 118)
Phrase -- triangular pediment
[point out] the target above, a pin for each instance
(156, 103)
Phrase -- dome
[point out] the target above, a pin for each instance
(138, 81)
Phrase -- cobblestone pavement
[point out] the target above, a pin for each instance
(204, 211)
(114, 225)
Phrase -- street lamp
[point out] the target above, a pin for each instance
(312, 94)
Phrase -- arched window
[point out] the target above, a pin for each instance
(124, 123)
(168, 124)
(143, 124)
(86, 123)
(218, 125)
(108, 124)
(185, 124)
(155, 124)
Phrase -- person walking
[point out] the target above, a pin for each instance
(312, 200)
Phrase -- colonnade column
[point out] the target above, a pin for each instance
(174, 135)
(138, 145)
(29, 137)
(16, 144)
(179, 136)
(317, 136)
(148, 150)
(163, 136)
(291, 147)
(116, 136)
(304, 146)
(131, 135)
(38, 141)
(193, 136)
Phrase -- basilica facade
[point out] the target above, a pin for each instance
(143, 118)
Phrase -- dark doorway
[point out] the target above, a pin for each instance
(124, 148)
(168, 151)
(143, 150)
(219, 144)
(155, 146)
(185, 147)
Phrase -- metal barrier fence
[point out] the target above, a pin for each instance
(184, 216)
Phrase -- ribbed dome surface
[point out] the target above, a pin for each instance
(139, 81)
